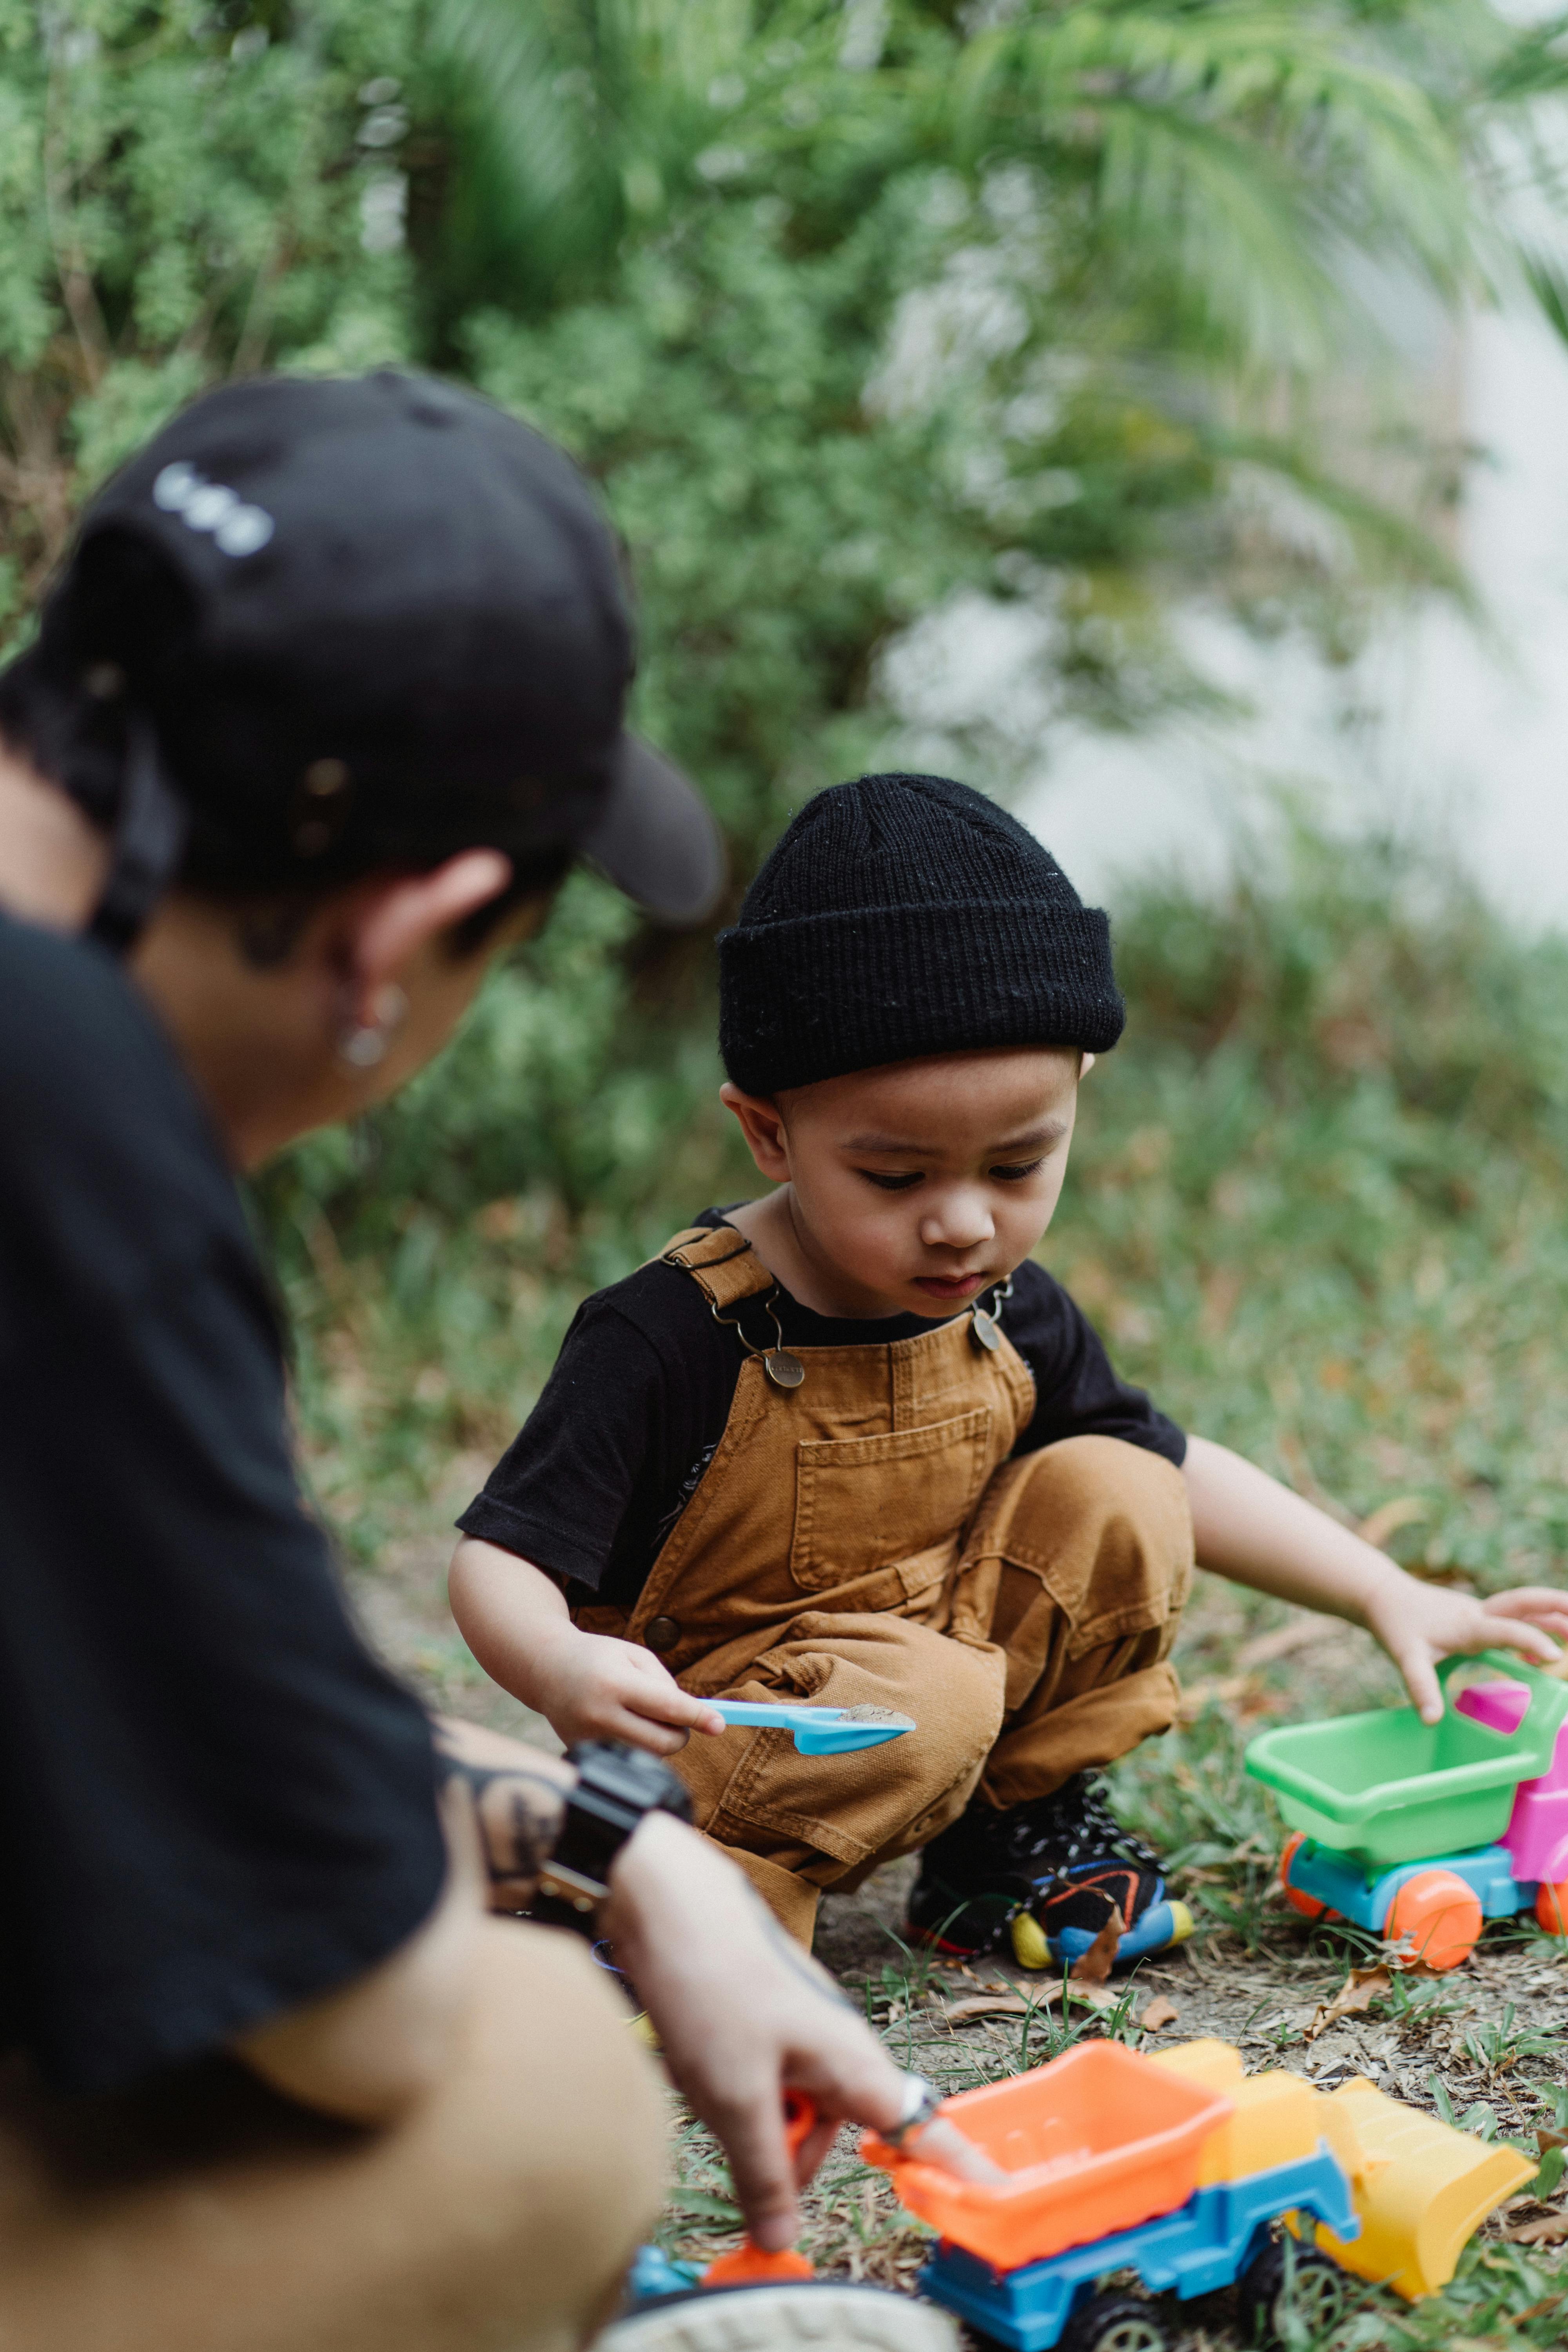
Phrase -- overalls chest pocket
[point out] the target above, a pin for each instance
(900, 1500)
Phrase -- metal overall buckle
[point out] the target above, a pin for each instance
(985, 1325)
(783, 1368)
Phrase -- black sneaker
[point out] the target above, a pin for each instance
(1044, 1876)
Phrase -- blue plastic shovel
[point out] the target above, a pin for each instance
(820, 1730)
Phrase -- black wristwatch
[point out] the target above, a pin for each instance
(617, 1786)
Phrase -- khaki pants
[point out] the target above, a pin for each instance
(208, 2216)
(1044, 1653)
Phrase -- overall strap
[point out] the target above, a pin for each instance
(722, 1264)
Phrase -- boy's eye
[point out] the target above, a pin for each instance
(892, 1184)
(1016, 1175)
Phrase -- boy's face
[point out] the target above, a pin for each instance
(917, 1186)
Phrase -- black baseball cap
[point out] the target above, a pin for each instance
(354, 622)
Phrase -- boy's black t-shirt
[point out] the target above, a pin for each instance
(634, 1408)
(214, 1803)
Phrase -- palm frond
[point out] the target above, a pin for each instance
(1252, 141)
(573, 119)
(1532, 64)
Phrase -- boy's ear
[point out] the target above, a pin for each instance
(1085, 1062)
(762, 1124)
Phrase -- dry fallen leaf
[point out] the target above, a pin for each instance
(1094, 1965)
(992, 2004)
(1095, 1996)
(1242, 1697)
(1536, 2310)
(1354, 1998)
(1017, 2004)
(1227, 1692)
(1159, 2011)
(1550, 2230)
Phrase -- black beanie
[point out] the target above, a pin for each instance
(908, 915)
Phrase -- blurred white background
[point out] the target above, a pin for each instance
(1438, 723)
(1444, 723)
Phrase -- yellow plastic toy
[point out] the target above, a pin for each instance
(1276, 2118)
(1420, 2187)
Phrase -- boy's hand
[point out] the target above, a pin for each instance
(1419, 1623)
(515, 1620)
(594, 1687)
(1251, 1529)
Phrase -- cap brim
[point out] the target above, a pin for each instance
(656, 839)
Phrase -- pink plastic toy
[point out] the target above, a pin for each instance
(1537, 1831)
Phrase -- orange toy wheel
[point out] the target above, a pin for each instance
(1552, 1905)
(1437, 1917)
(1306, 1905)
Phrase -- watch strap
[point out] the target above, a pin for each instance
(617, 1786)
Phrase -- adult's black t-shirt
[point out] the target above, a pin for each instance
(214, 1803)
(636, 1404)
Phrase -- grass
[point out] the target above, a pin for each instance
(1319, 1206)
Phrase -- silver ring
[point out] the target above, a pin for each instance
(922, 2100)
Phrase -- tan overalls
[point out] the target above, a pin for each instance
(863, 1539)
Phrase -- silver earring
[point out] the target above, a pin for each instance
(362, 1043)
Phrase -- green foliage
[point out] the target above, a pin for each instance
(852, 310)
(1500, 2294)
(847, 309)
(180, 200)
(985, 309)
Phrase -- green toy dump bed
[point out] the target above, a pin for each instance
(1390, 1788)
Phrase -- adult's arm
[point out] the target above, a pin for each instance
(740, 2013)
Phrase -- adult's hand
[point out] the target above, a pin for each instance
(743, 2013)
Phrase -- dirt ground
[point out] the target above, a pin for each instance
(1486, 2046)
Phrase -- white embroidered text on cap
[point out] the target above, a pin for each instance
(236, 529)
(173, 487)
(244, 531)
(205, 508)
